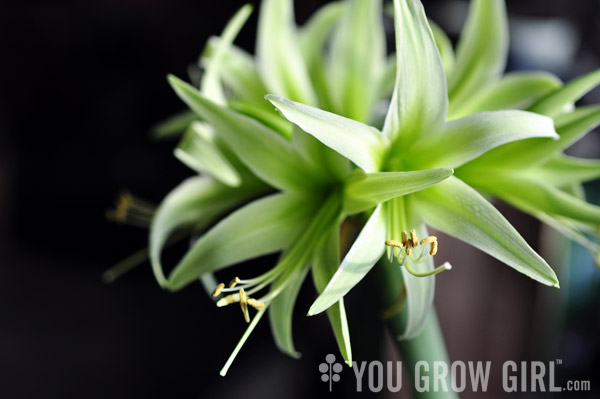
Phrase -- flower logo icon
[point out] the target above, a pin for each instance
(330, 370)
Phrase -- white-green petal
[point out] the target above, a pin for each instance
(264, 226)
(362, 256)
(357, 59)
(198, 150)
(364, 192)
(515, 90)
(278, 54)
(444, 46)
(555, 102)
(313, 41)
(467, 138)
(482, 50)
(538, 195)
(527, 153)
(265, 152)
(362, 144)
(239, 73)
(193, 204)
(174, 125)
(211, 81)
(420, 100)
(325, 263)
(563, 171)
(458, 210)
(281, 312)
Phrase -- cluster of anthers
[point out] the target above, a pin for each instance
(409, 242)
(240, 297)
(131, 210)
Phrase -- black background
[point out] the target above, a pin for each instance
(81, 83)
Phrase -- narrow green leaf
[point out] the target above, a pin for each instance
(195, 203)
(362, 144)
(264, 151)
(173, 126)
(554, 103)
(515, 90)
(211, 81)
(458, 210)
(465, 139)
(261, 227)
(280, 315)
(350, 73)
(198, 150)
(482, 50)
(563, 171)
(420, 99)
(538, 195)
(239, 74)
(362, 256)
(278, 53)
(325, 263)
(366, 191)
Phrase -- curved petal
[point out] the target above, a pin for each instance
(261, 227)
(278, 53)
(362, 144)
(456, 209)
(366, 191)
(482, 50)
(465, 139)
(420, 99)
(364, 253)
(195, 203)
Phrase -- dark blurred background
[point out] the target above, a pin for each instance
(81, 84)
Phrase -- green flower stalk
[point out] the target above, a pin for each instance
(404, 142)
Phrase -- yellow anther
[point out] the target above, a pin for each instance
(258, 305)
(404, 237)
(228, 300)
(233, 282)
(413, 238)
(428, 240)
(434, 248)
(409, 247)
(394, 243)
(244, 305)
(218, 290)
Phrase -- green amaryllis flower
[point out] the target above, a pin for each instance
(416, 136)
(532, 175)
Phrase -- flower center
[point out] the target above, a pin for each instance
(410, 241)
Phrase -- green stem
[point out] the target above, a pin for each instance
(429, 346)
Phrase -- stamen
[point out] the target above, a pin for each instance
(233, 282)
(258, 305)
(409, 247)
(428, 240)
(413, 238)
(404, 236)
(228, 300)
(218, 290)
(131, 210)
(434, 248)
(244, 305)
